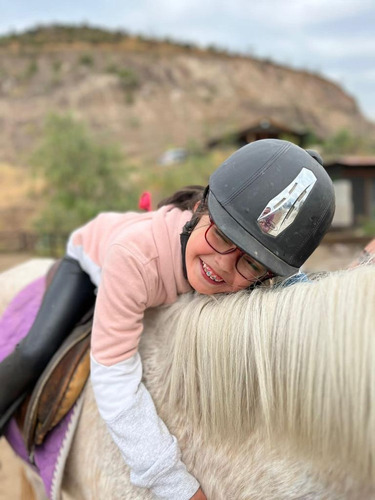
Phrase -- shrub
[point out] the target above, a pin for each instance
(86, 60)
(82, 177)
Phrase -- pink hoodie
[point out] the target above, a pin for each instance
(135, 260)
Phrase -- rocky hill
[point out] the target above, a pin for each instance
(149, 95)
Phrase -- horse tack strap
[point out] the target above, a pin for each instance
(59, 385)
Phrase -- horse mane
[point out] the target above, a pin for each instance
(297, 361)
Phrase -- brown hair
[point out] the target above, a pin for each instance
(185, 198)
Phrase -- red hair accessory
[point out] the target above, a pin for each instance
(145, 201)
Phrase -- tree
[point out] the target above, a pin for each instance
(345, 143)
(82, 177)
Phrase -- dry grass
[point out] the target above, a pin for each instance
(20, 197)
(332, 257)
(17, 185)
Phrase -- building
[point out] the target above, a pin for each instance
(354, 180)
(265, 128)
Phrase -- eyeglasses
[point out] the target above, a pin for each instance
(246, 266)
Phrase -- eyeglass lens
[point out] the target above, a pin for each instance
(247, 267)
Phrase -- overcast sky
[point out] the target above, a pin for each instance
(333, 37)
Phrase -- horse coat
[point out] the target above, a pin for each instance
(260, 453)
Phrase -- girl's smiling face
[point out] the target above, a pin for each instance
(208, 271)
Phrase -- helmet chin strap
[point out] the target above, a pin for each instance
(186, 232)
(184, 236)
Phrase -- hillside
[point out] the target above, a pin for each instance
(149, 95)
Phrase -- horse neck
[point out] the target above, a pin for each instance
(295, 362)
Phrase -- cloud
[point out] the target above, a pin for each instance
(271, 14)
(299, 13)
(345, 46)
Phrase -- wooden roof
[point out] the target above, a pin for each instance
(262, 126)
(268, 124)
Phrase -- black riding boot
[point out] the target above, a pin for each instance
(69, 296)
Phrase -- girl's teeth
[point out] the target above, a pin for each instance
(210, 274)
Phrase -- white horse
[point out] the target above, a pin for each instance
(270, 394)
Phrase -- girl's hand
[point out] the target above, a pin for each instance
(199, 495)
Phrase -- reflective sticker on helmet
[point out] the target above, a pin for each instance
(281, 211)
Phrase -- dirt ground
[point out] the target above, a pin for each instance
(331, 257)
(8, 260)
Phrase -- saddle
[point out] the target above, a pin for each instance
(59, 386)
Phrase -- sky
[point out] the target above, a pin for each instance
(335, 38)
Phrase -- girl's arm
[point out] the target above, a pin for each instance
(146, 445)
(124, 403)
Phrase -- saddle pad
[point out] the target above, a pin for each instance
(49, 458)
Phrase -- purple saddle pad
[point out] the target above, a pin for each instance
(49, 458)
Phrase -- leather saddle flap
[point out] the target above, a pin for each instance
(59, 386)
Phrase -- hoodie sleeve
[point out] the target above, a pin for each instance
(124, 403)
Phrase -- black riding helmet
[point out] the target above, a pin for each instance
(275, 201)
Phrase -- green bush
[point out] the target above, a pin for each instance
(30, 70)
(162, 181)
(368, 226)
(56, 66)
(86, 60)
(128, 79)
(82, 177)
(343, 142)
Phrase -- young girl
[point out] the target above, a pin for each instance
(264, 212)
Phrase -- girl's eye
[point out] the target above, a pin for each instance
(250, 263)
(222, 237)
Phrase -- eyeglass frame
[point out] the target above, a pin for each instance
(264, 277)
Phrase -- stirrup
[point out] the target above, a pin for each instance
(5, 417)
